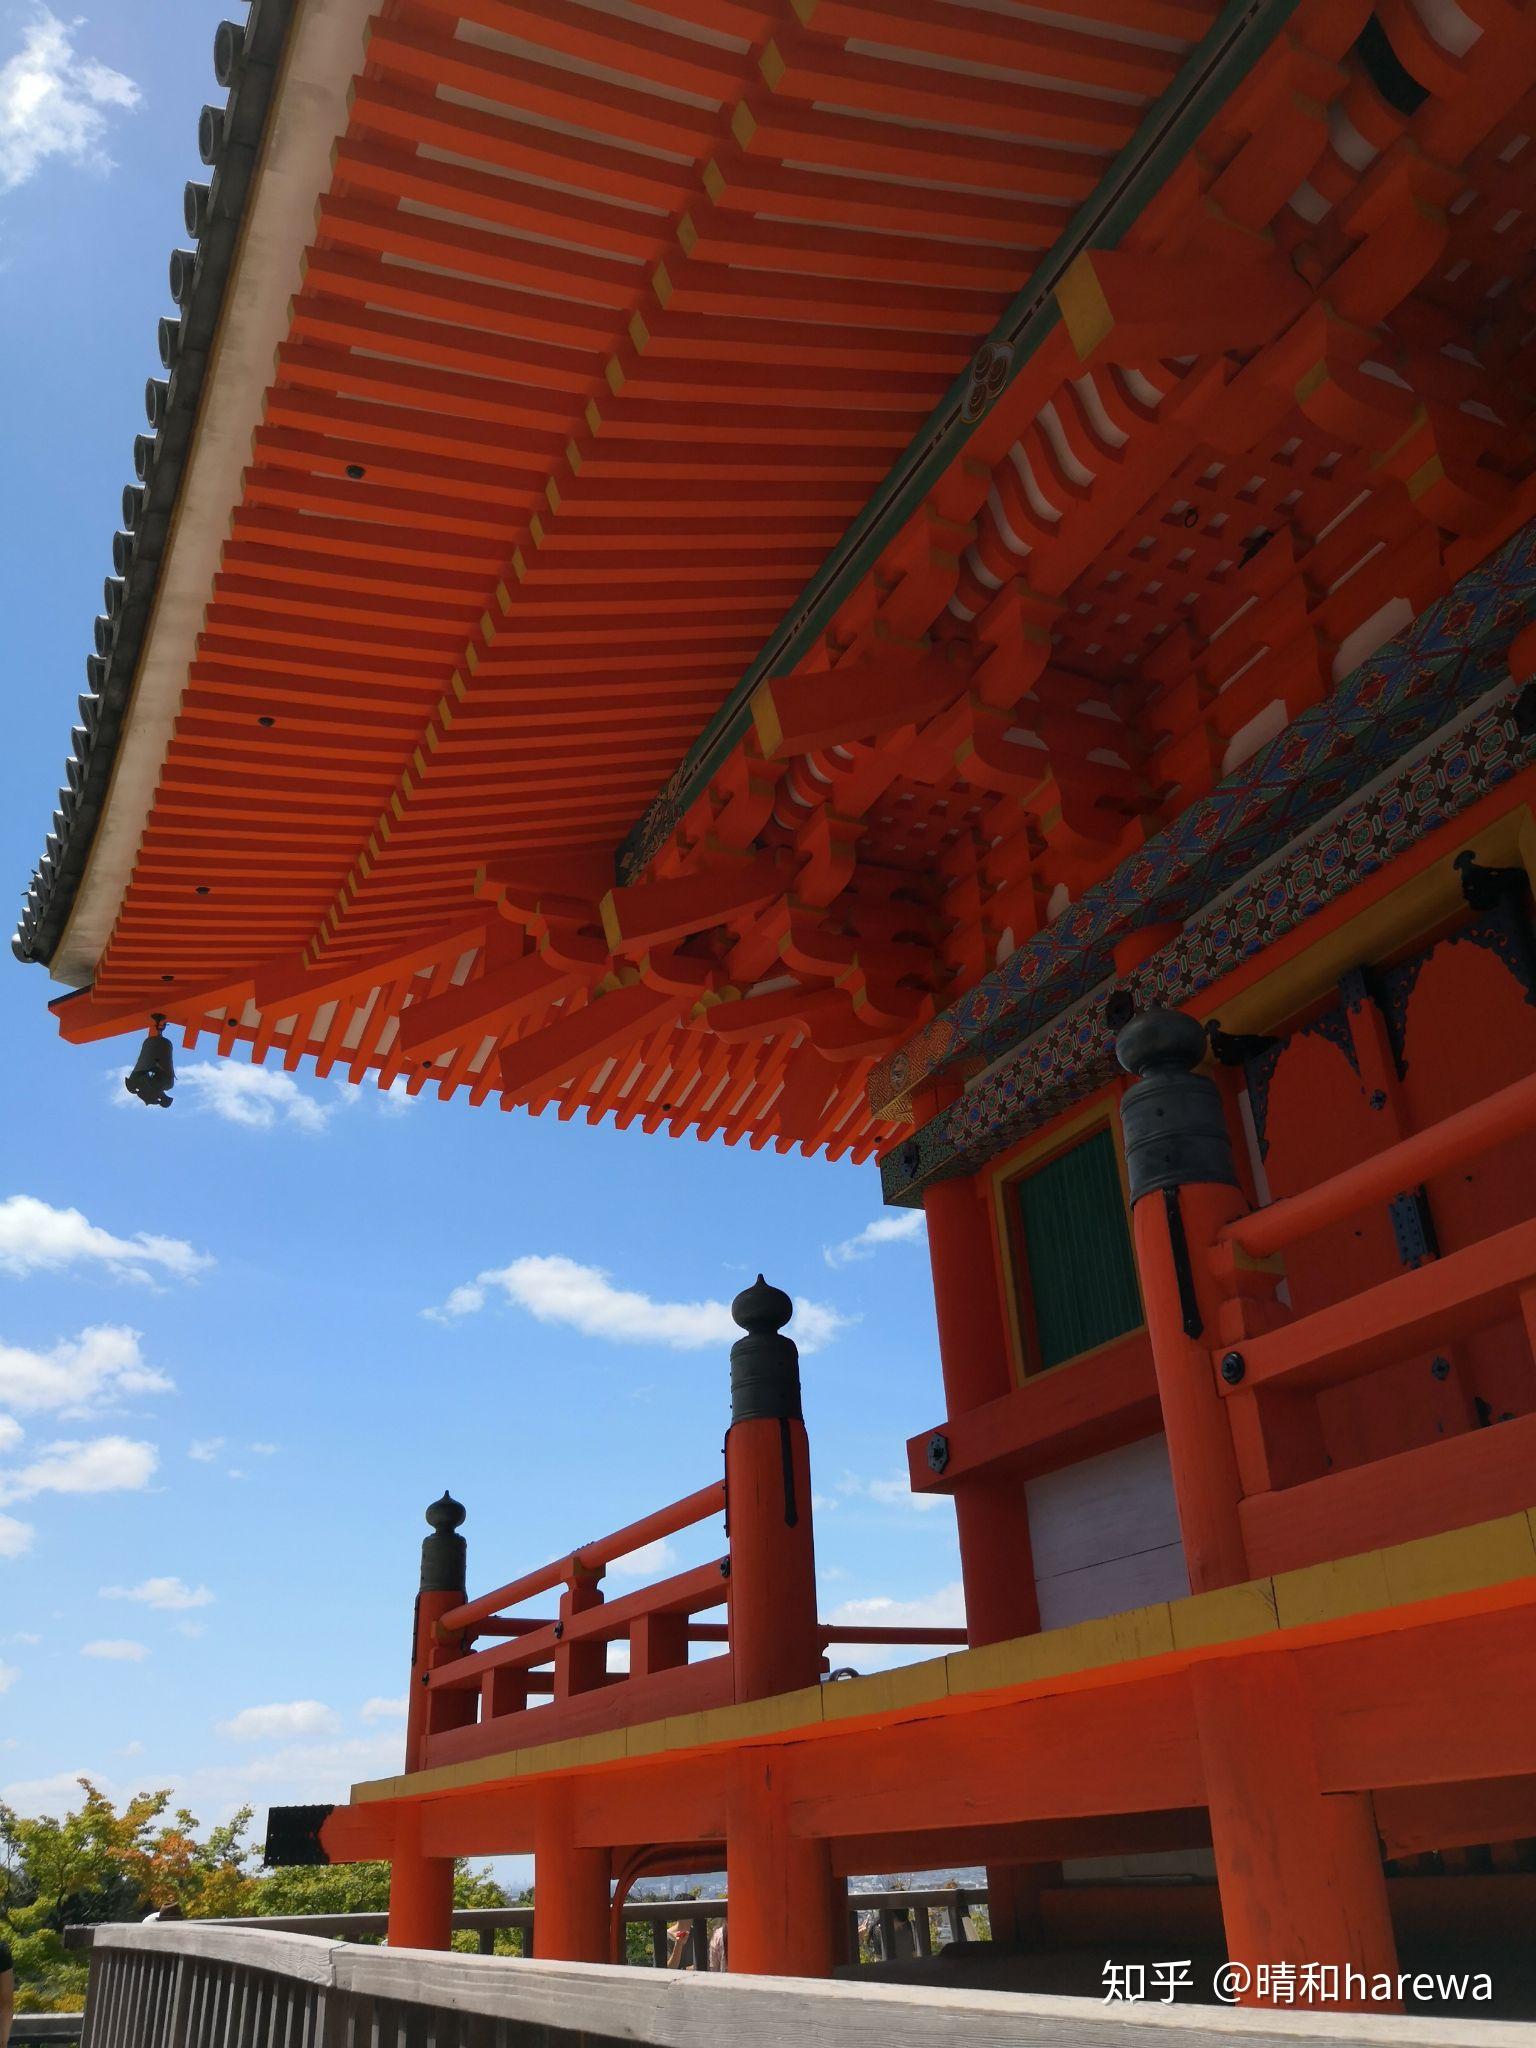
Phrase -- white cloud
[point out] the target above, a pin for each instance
(102, 1365)
(282, 1719)
(24, 1636)
(172, 1595)
(204, 1449)
(650, 1561)
(904, 1226)
(191, 1629)
(115, 1650)
(134, 1748)
(376, 1710)
(894, 1492)
(257, 1097)
(9, 1673)
(53, 103)
(554, 1289)
(943, 1609)
(37, 1238)
(262, 1450)
(15, 1537)
(11, 1432)
(107, 1464)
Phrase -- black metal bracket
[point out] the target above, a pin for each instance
(1413, 1228)
(1178, 1244)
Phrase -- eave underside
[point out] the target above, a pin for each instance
(614, 392)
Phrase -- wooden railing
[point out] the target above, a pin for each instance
(544, 1676)
(1292, 1518)
(884, 1925)
(203, 1986)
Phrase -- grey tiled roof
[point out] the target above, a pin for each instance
(245, 61)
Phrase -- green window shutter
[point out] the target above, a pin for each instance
(1082, 1276)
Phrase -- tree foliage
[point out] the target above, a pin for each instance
(97, 1863)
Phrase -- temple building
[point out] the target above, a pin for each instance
(940, 582)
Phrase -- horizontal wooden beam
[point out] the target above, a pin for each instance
(1137, 304)
(1435, 1304)
(650, 913)
(489, 1004)
(286, 986)
(606, 1025)
(859, 701)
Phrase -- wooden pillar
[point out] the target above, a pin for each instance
(1300, 1870)
(775, 1642)
(571, 1888)
(786, 1910)
(1183, 1189)
(421, 1887)
(991, 1513)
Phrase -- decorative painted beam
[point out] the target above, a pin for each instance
(1451, 658)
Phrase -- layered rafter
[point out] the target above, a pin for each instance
(613, 324)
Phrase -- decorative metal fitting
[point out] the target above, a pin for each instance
(765, 1366)
(938, 1451)
(443, 1552)
(991, 367)
(1233, 1368)
(1440, 1368)
(1378, 1098)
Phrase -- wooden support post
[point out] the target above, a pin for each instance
(571, 1885)
(991, 1513)
(1183, 1189)
(775, 1646)
(1299, 1869)
(785, 1907)
(421, 1887)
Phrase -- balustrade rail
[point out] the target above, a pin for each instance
(201, 1985)
(487, 1678)
(884, 1925)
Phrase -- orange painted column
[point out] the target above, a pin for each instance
(991, 1514)
(1183, 1188)
(1300, 1869)
(786, 1911)
(421, 1887)
(775, 1645)
(571, 1885)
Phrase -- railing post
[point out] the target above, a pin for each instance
(421, 1886)
(774, 1642)
(1184, 1188)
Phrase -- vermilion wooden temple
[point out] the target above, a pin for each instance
(802, 570)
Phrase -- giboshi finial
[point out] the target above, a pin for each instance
(447, 1514)
(761, 1308)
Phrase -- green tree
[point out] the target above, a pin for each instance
(95, 1863)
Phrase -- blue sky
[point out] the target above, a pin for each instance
(220, 1313)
